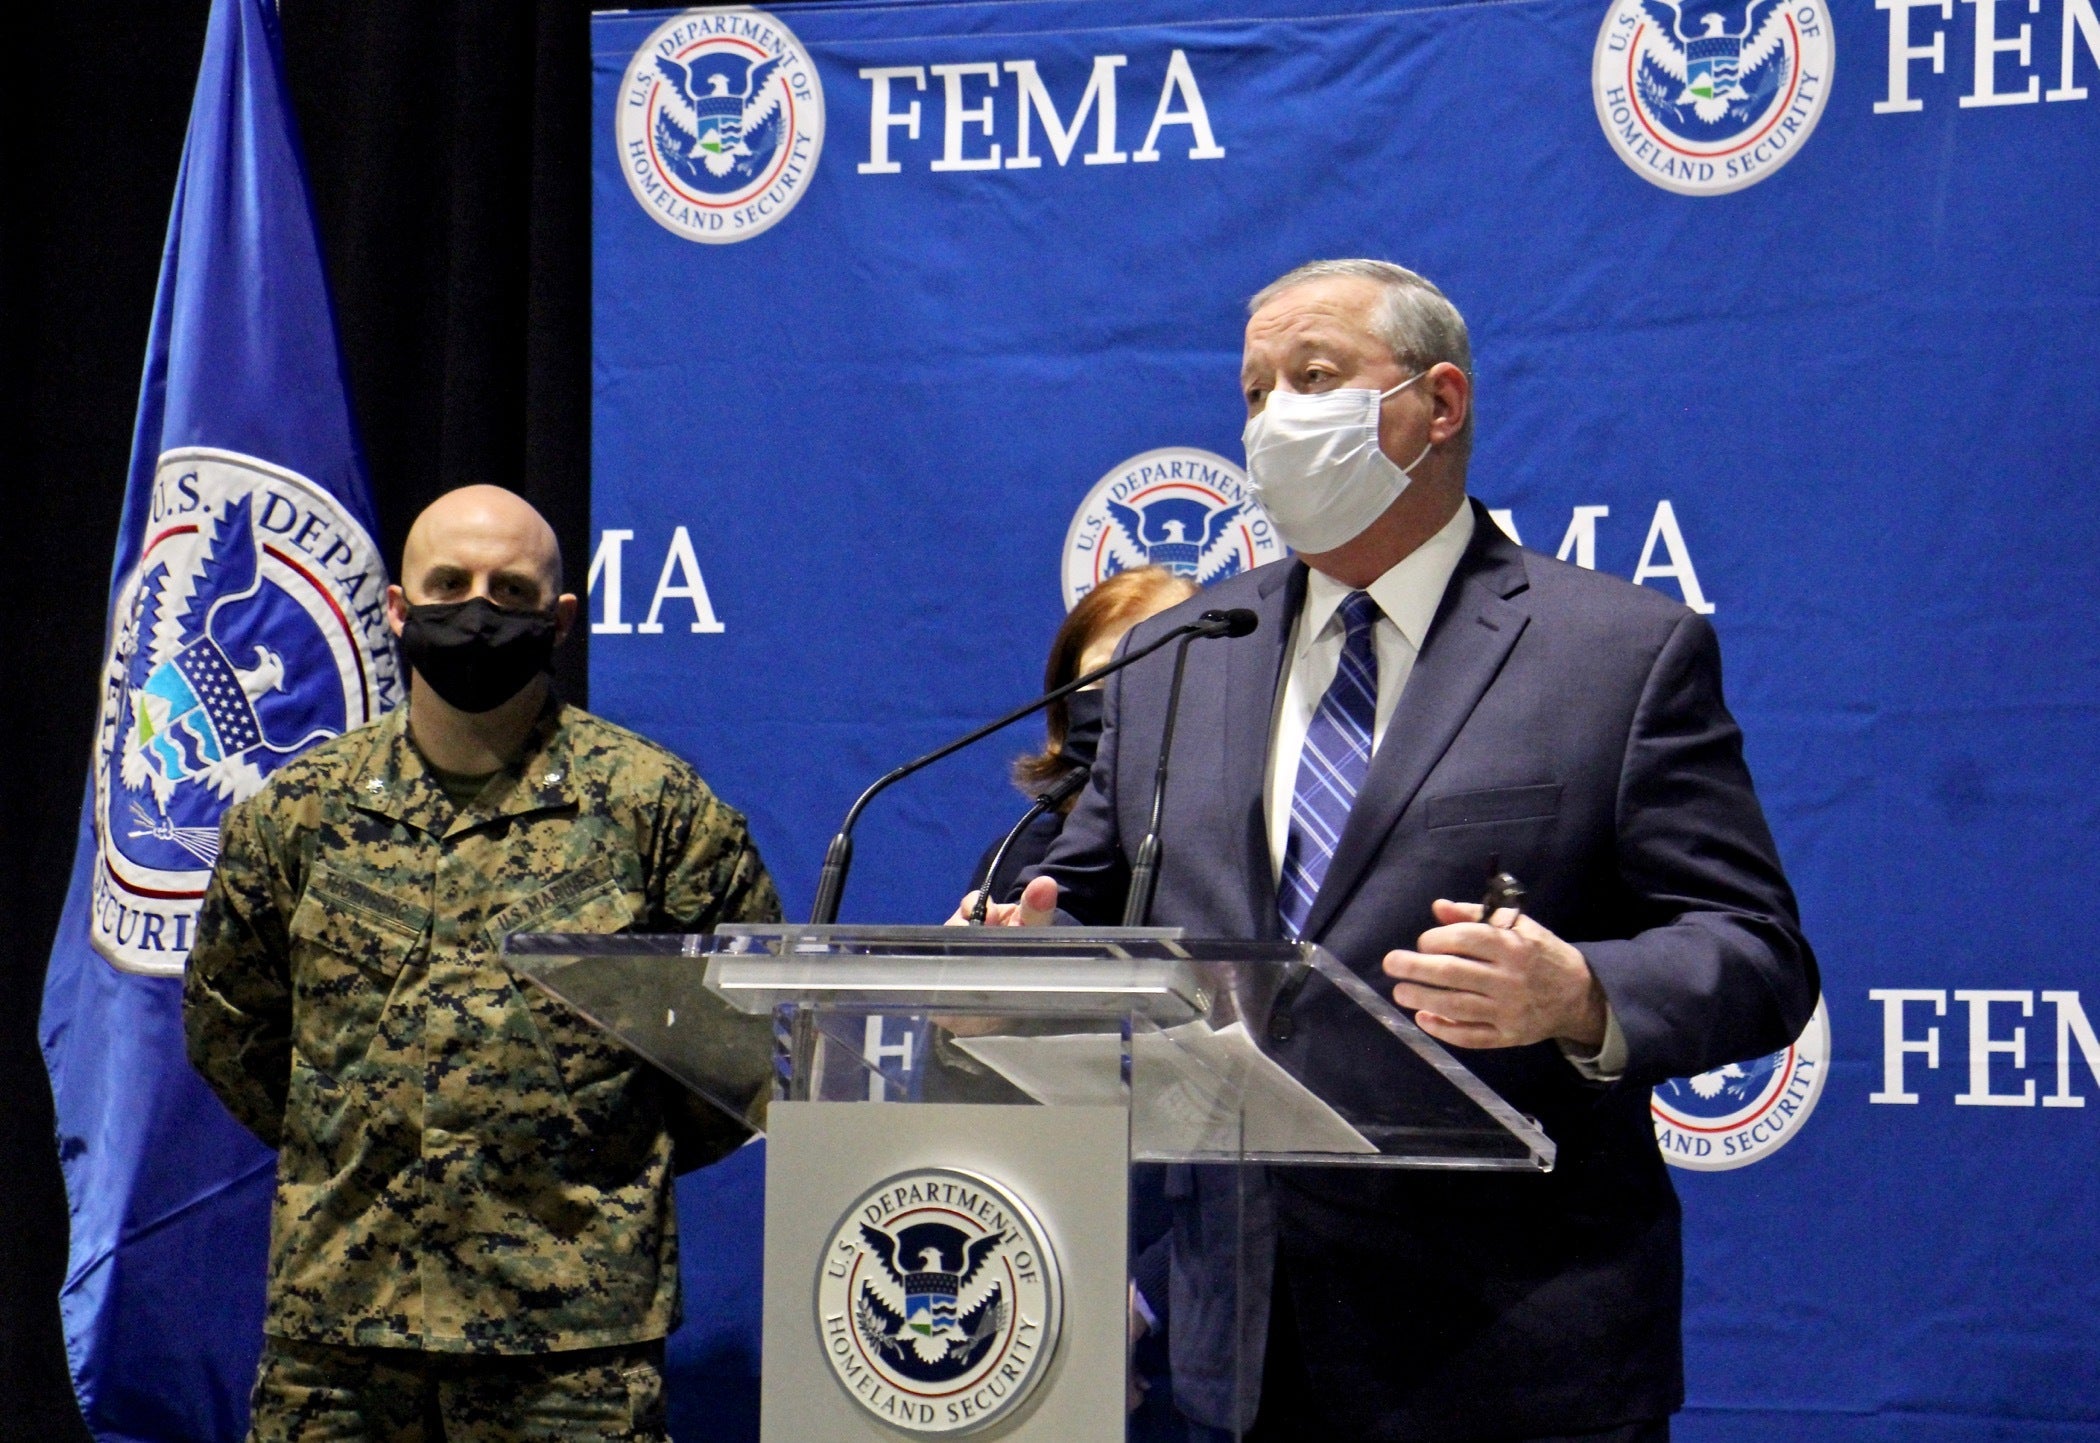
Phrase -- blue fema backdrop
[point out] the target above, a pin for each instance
(914, 323)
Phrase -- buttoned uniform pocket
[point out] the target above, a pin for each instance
(353, 922)
(350, 944)
(1492, 804)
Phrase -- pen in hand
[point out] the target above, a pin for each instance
(1504, 893)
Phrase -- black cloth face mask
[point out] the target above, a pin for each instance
(475, 654)
(1083, 724)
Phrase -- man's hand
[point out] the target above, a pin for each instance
(1473, 985)
(1037, 908)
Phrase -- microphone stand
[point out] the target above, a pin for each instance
(838, 857)
(1144, 872)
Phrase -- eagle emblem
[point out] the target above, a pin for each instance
(250, 629)
(926, 1309)
(1703, 97)
(1180, 507)
(192, 712)
(719, 124)
(1719, 65)
(1179, 533)
(1733, 1084)
(195, 714)
(938, 1301)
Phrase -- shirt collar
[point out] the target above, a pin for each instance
(1408, 593)
(396, 782)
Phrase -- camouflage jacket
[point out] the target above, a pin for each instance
(464, 1164)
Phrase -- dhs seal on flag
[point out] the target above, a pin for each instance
(1708, 96)
(720, 121)
(1737, 1114)
(938, 1301)
(1178, 507)
(253, 626)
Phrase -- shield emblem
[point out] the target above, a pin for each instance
(193, 712)
(1710, 64)
(720, 120)
(930, 1312)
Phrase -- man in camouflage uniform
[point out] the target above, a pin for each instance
(473, 1234)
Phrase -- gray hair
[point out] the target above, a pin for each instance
(1417, 322)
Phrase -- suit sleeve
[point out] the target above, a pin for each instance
(712, 874)
(1720, 971)
(236, 989)
(1086, 860)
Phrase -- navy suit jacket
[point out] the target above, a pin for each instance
(1572, 724)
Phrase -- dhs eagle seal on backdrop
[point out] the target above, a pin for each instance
(938, 1301)
(720, 121)
(253, 626)
(1737, 1114)
(1178, 507)
(1708, 96)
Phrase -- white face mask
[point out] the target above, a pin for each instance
(1314, 464)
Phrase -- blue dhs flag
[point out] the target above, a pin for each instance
(246, 622)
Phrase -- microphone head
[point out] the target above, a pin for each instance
(1236, 621)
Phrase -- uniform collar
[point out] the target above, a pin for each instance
(1408, 593)
(397, 782)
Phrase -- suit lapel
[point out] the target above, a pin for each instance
(1474, 629)
(1253, 672)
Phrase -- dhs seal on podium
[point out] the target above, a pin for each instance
(938, 1301)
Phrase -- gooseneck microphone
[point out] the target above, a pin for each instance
(1144, 871)
(1056, 794)
(838, 857)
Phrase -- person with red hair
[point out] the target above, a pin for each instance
(1088, 639)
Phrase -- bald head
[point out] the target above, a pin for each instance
(482, 541)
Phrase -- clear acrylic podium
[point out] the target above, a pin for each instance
(995, 1154)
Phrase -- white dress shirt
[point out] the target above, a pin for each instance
(1407, 596)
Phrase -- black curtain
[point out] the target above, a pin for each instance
(449, 152)
(447, 145)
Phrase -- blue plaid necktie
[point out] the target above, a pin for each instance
(1332, 766)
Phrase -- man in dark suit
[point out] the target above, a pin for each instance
(1424, 694)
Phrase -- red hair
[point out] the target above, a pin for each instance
(1116, 605)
